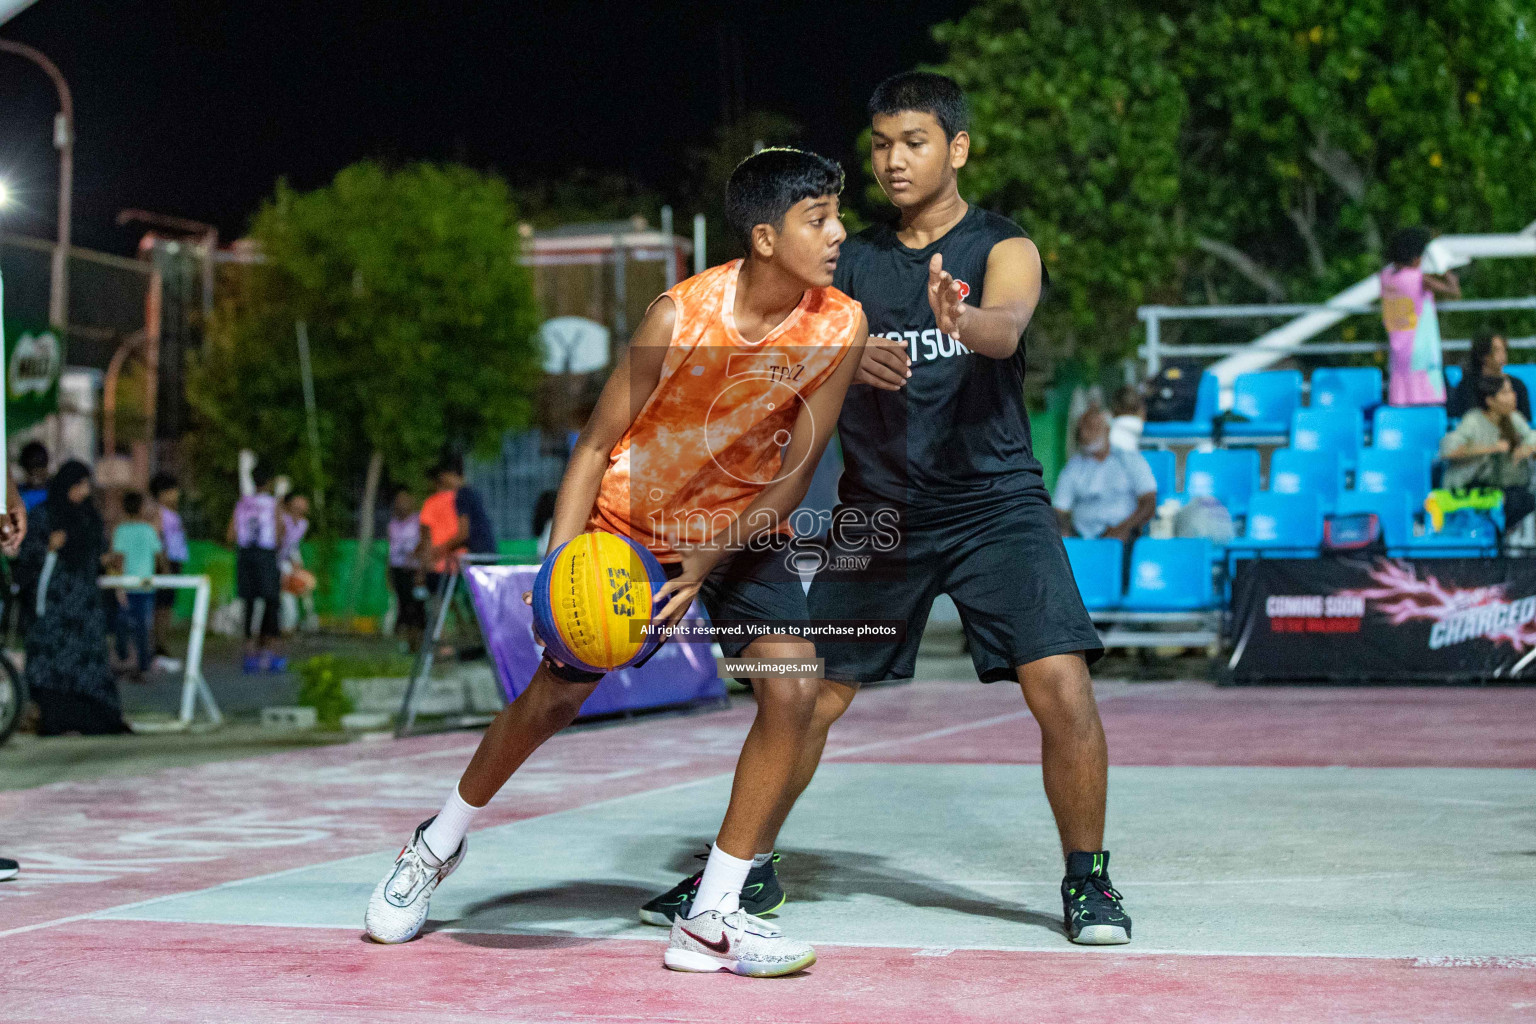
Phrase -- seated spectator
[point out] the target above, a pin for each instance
(1487, 358)
(1492, 446)
(1102, 492)
(1130, 411)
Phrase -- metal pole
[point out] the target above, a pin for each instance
(671, 250)
(312, 423)
(64, 141)
(1154, 358)
(698, 243)
(423, 666)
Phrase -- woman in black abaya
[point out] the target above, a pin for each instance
(67, 670)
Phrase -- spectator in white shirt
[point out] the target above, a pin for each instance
(1104, 492)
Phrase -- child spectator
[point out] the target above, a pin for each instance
(34, 474)
(298, 583)
(405, 575)
(165, 489)
(256, 530)
(137, 540)
(1414, 362)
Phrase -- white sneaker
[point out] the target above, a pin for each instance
(398, 907)
(737, 942)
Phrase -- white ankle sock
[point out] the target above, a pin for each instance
(720, 888)
(762, 858)
(447, 830)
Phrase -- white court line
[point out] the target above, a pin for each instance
(930, 735)
(636, 933)
(1140, 883)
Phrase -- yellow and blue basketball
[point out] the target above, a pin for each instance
(589, 598)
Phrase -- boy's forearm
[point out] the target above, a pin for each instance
(992, 331)
(578, 493)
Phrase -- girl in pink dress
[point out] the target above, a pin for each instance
(1403, 289)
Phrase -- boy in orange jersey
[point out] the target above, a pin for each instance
(702, 444)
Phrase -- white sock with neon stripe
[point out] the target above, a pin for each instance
(720, 888)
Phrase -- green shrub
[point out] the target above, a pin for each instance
(321, 689)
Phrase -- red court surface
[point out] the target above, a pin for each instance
(185, 861)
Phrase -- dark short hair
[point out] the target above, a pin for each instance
(162, 482)
(261, 476)
(33, 456)
(133, 503)
(1489, 385)
(451, 462)
(766, 184)
(1482, 344)
(1127, 401)
(928, 93)
(1408, 245)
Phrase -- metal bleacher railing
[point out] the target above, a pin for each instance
(1155, 350)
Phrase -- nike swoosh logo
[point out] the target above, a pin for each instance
(753, 889)
(722, 947)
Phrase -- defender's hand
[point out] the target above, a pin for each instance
(885, 364)
(947, 298)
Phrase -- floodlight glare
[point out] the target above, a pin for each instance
(5, 195)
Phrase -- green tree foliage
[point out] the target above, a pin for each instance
(712, 166)
(420, 321)
(1242, 150)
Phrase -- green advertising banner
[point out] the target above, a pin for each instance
(34, 357)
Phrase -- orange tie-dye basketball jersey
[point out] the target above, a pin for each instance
(709, 440)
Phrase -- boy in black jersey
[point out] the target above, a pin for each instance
(936, 451)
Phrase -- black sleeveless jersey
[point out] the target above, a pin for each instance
(957, 435)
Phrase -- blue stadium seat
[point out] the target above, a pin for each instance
(1453, 376)
(1097, 565)
(1229, 475)
(1352, 387)
(1163, 465)
(1337, 430)
(1170, 575)
(1307, 472)
(1464, 535)
(1207, 405)
(1266, 400)
(1407, 471)
(1286, 525)
(1394, 511)
(1526, 372)
(1411, 427)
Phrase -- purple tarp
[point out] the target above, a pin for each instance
(678, 673)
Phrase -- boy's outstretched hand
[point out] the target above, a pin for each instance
(946, 296)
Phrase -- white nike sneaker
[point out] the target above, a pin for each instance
(398, 907)
(737, 942)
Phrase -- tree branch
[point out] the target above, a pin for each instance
(1303, 217)
(1244, 265)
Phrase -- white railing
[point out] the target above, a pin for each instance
(1154, 350)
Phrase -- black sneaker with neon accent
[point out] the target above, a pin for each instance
(762, 894)
(1092, 908)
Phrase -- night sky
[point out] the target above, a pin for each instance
(196, 107)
